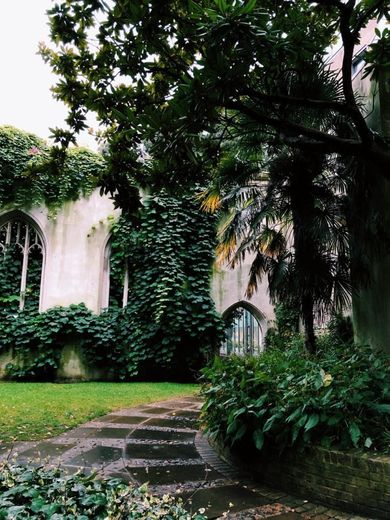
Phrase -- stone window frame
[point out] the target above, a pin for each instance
(19, 215)
(257, 315)
(104, 296)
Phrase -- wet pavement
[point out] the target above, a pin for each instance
(161, 444)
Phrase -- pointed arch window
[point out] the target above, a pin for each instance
(244, 334)
(21, 263)
(115, 290)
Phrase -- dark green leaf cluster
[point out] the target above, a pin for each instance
(282, 399)
(378, 54)
(37, 339)
(38, 493)
(172, 320)
(164, 74)
(31, 176)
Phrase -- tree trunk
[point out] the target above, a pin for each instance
(371, 302)
(308, 324)
(303, 211)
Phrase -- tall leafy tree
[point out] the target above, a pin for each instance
(170, 80)
(135, 62)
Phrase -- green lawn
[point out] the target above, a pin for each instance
(32, 411)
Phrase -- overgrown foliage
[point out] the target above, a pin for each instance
(39, 493)
(202, 58)
(291, 223)
(284, 399)
(208, 71)
(30, 176)
(285, 328)
(173, 322)
(169, 327)
(36, 339)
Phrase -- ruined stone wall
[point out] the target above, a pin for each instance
(74, 241)
(228, 287)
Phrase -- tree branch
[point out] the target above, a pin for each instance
(299, 136)
(348, 39)
(296, 101)
(335, 144)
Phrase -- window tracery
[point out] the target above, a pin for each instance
(21, 260)
(244, 333)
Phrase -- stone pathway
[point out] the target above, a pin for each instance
(161, 444)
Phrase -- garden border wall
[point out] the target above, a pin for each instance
(352, 481)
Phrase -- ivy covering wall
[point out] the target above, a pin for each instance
(30, 177)
(169, 327)
(172, 318)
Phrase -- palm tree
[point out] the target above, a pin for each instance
(292, 220)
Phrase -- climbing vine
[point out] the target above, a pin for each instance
(168, 328)
(173, 324)
(30, 176)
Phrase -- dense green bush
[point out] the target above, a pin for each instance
(39, 493)
(36, 339)
(282, 398)
(284, 331)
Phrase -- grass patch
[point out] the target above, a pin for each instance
(34, 411)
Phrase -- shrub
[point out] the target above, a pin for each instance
(283, 399)
(36, 339)
(39, 493)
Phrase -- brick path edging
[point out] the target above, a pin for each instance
(353, 482)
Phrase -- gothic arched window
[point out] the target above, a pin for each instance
(244, 335)
(115, 279)
(21, 261)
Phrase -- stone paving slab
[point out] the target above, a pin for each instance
(111, 433)
(186, 413)
(45, 450)
(163, 435)
(160, 444)
(97, 456)
(174, 474)
(156, 410)
(160, 451)
(174, 422)
(129, 419)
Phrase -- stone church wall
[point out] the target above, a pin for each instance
(75, 269)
